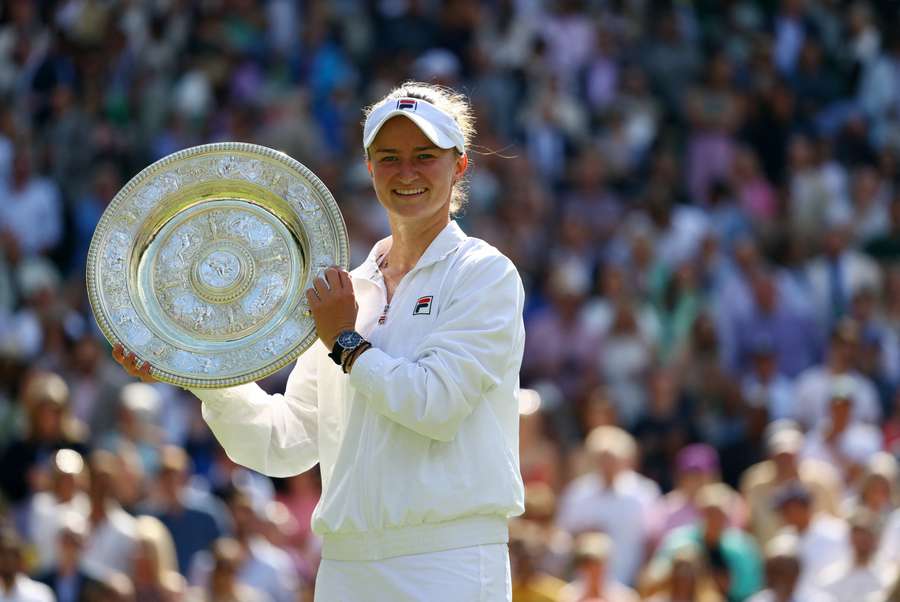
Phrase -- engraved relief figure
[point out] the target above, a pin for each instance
(169, 182)
(125, 320)
(251, 170)
(185, 244)
(264, 295)
(220, 269)
(226, 167)
(186, 239)
(147, 198)
(255, 232)
(205, 312)
(298, 194)
(270, 260)
(213, 226)
(116, 252)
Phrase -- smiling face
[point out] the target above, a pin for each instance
(413, 178)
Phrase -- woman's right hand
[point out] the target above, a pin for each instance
(129, 362)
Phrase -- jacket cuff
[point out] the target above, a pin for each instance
(369, 367)
(216, 401)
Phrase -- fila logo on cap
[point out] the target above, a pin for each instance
(407, 104)
(423, 306)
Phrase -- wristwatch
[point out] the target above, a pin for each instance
(345, 344)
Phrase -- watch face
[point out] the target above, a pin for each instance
(349, 339)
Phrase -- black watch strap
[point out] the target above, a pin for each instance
(335, 353)
(339, 352)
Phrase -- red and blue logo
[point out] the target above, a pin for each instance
(407, 104)
(423, 306)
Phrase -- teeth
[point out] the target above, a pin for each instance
(409, 191)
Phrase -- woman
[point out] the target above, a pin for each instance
(154, 569)
(415, 428)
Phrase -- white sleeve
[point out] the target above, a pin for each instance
(477, 339)
(276, 435)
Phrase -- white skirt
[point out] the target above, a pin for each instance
(473, 574)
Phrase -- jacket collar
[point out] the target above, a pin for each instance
(443, 244)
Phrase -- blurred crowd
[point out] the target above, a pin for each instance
(703, 199)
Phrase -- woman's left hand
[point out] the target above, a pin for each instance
(333, 304)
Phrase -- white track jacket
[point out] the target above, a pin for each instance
(418, 446)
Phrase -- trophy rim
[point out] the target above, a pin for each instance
(125, 194)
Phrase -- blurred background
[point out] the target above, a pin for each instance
(702, 197)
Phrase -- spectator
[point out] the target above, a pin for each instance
(838, 274)
(611, 499)
(30, 200)
(300, 496)
(16, 586)
(556, 543)
(697, 465)
(763, 481)
(530, 584)
(137, 425)
(223, 582)
(666, 428)
(615, 289)
(892, 427)
(49, 428)
(714, 112)
(112, 533)
(790, 333)
(877, 487)
(64, 576)
(754, 192)
(868, 195)
(885, 246)
(859, 576)
(783, 568)
(888, 554)
(95, 382)
(593, 552)
(539, 455)
(279, 529)
(192, 525)
(156, 578)
(548, 355)
(262, 565)
(733, 556)
(814, 386)
(625, 360)
(839, 440)
(50, 508)
(822, 539)
(764, 386)
(670, 59)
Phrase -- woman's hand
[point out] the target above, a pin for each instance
(129, 362)
(333, 304)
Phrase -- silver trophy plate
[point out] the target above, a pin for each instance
(201, 262)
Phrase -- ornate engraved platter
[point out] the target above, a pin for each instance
(201, 262)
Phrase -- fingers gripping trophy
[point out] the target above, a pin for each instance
(223, 263)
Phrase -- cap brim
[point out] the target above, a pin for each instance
(440, 139)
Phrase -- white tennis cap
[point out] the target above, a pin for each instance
(440, 127)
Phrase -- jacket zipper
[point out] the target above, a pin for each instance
(370, 416)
